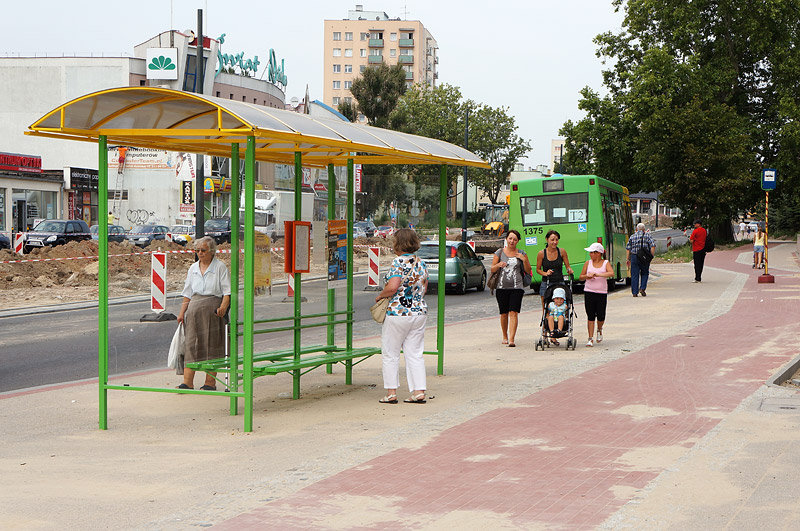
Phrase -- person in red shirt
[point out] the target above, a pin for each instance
(698, 239)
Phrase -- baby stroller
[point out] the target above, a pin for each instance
(547, 334)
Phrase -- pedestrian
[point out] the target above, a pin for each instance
(742, 230)
(404, 326)
(698, 239)
(110, 218)
(550, 262)
(513, 263)
(206, 298)
(639, 266)
(759, 243)
(595, 273)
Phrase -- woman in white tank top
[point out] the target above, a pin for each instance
(595, 289)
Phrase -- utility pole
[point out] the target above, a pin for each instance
(199, 193)
(464, 191)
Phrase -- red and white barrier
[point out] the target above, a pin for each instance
(471, 243)
(669, 242)
(372, 273)
(158, 282)
(168, 236)
(19, 243)
(290, 286)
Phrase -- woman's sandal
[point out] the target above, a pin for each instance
(505, 341)
(416, 399)
(184, 386)
(388, 399)
(208, 388)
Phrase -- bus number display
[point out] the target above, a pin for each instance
(577, 215)
(533, 230)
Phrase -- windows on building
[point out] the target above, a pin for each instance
(363, 52)
(348, 69)
(348, 99)
(361, 68)
(337, 52)
(393, 36)
(348, 35)
(335, 100)
(337, 35)
(348, 52)
(376, 51)
(337, 85)
(364, 36)
(348, 84)
(337, 69)
(392, 53)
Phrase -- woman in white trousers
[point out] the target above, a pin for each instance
(406, 316)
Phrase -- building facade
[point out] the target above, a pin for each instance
(368, 38)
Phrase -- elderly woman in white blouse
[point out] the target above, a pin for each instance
(206, 298)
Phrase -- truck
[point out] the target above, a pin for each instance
(273, 207)
(495, 220)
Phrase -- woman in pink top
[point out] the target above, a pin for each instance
(595, 289)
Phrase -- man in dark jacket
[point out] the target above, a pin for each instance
(698, 239)
(640, 269)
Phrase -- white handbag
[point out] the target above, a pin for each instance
(176, 349)
(378, 310)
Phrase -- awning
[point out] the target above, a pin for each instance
(160, 118)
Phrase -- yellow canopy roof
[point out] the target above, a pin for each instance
(183, 121)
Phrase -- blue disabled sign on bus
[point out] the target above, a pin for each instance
(769, 179)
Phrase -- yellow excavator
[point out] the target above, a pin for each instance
(495, 220)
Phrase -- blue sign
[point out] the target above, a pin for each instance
(769, 178)
(581, 227)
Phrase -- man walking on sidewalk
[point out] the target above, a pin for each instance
(639, 262)
(698, 239)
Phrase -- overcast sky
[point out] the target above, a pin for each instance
(532, 56)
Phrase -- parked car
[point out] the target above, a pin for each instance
(358, 231)
(52, 232)
(368, 226)
(144, 235)
(182, 234)
(384, 231)
(463, 268)
(5, 241)
(219, 229)
(116, 233)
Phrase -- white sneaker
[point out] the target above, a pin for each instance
(590, 343)
(599, 337)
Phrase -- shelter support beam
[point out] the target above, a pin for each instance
(348, 378)
(331, 291)
(249, 277)
(102, 274)
(233, 332)
(298, 215)
(442, 260)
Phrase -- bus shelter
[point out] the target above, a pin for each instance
(159, 118)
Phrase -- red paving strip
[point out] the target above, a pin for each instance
(555, 458)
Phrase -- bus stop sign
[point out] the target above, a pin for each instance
(769, 178)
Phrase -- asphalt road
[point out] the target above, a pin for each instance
(42, 349)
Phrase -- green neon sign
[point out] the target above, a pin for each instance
(275, 73)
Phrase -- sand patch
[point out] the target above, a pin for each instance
(643, 411)
(651, 459)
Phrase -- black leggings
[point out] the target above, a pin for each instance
(509, 300)
(595, 305)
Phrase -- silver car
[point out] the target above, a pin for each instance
(463, 268)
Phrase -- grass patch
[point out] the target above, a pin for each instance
(676, 255)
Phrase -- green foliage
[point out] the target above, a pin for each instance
(348, 110)
(700, 97)
(377, 92)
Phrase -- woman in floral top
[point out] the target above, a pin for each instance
(404, 327)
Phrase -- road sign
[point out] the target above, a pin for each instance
(769, 178)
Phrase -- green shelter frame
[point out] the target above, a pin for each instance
(161, 118)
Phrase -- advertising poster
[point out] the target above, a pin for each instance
(262, 264)
(337, 253)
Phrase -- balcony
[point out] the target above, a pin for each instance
(406, 59)
(376, 43)
(406, 43)
(375, 59)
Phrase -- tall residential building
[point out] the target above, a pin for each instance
(368, 38)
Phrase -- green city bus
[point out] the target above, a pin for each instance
(583, 209)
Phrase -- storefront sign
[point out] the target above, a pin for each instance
(16, 162)
(275, 74)
(151, 159)
(81, 179)
(357, 170)
(187, 196)
(162, 63)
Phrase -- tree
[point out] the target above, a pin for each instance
(441, 112)
(377, 92)
(701, 96)
(348, 110)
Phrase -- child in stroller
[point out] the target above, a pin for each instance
(557, 316)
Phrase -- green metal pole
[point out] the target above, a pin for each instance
(102, 325)
(348, 377)
(440, 291)
(249, 273)
(298, 215)
(233, 326)
(331, 291)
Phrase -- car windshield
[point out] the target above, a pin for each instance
(94, 229)
(432, 251)
(217, 224)
(50, 226)
(180, 229)
(143, 229)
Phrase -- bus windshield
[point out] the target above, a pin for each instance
(554, 209)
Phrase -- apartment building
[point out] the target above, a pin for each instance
(368, 38)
